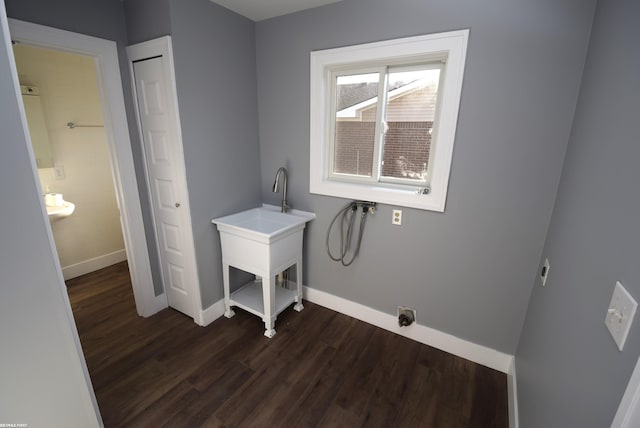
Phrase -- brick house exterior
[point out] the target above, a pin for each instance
(407, 142)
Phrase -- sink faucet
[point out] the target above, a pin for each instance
(283, 170)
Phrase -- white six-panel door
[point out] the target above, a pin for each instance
(167, 184)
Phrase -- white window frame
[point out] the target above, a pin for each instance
(331, 125)
(449, 47)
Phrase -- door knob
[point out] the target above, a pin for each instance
(177, 204)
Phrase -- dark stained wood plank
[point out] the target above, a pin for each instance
(322, 369)
(197, 411)
(394, 383)
(320, 396)
(171, 403)
(418, 407)
(285, 395)
(358, 387)
(489, 399)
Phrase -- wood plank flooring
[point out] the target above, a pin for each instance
(322, 369)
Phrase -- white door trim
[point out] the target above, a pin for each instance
(162, 47)
(105, 54)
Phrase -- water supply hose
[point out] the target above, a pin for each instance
(348, 215)
(344, 247)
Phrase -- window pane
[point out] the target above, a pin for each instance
(409, 116)
(356, 112)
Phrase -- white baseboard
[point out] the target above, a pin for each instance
(512, 395)
(471, 351)
(94, 264)
(210, 314)
(160, 302)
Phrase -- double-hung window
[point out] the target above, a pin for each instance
(383, 119)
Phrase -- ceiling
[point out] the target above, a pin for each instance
(257, 10)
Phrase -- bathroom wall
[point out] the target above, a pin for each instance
(41, 366)
(104, 19)
(69, 93)
(467, 271)
(214, 53)
(570, 371)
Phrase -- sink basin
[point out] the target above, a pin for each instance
(265, 224)
(60, 211)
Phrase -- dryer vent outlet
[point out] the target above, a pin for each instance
(406, 316)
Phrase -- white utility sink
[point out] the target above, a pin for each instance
(265, 224)
(262, 241)
(58, 212)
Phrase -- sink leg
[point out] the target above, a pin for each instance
(298, 306)
(269, 303)
(228, 312)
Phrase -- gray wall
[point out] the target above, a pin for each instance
(468, 271)
(570, 372)
(42, 382)
(214, 53)
(104, 19)
(146, 19)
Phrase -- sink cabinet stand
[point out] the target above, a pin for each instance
(265, 260)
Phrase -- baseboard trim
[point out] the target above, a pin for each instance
(471, 351)
(160, 302)
(462, 348)
(210, 314)
(94, 264)
(512, 395)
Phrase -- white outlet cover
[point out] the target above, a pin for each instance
(544, 274)
(620, 314)
(397, 217)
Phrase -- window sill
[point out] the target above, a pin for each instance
(403, 197)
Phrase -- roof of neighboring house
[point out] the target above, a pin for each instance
(356, 93)
(363, 96)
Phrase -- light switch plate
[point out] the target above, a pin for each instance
(58, 172)
(620, 314)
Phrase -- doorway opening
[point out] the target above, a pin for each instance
(104, 55)
(62, 103)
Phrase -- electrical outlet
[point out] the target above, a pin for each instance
(620, 314)
(544, 272)
(397, 217)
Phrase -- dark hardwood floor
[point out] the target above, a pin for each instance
(321, 369)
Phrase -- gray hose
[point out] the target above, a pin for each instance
(347, 215)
